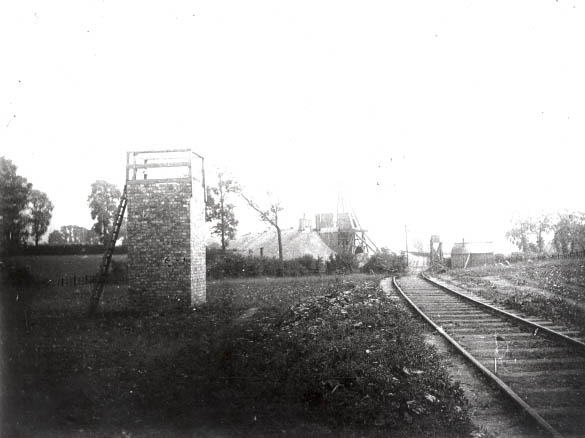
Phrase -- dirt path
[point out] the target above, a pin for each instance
(490, 412)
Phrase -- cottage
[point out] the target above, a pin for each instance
(295, 244)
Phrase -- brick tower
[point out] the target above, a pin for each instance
(165, 223)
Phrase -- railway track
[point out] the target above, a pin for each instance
(540, 366)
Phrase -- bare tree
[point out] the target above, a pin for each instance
(270, 216)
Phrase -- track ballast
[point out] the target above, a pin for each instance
(543, 372)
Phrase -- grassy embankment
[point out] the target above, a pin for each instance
(254, 361)
(553, 289)
(55, 267)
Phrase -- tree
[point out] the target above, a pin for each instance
(56, 238)
(14, 195)
(41, 209)
(542, 225)
(222, 211)
(520, 233)
(74, 234)
(569, 233)
(67, 233)
(103, 203)
(385, 262)
(270, 216)
(209, 204)
(418, 245)
(123, 233)
(87, 237)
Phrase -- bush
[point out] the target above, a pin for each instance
(233, 265)
(342, 263)
(73, 249)
(499, 258)
(225, 264)
(351, 356)
(385, 263)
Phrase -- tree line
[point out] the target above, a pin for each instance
(561, 233)
(26, 213)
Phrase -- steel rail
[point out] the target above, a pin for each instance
(533, 325)
(503, 386)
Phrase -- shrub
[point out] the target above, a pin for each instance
(233, 265)
(72, 249)
(225, 264)
(499, 258)
(342, 263)
(385, 263)
(310, 263)
(351, 356)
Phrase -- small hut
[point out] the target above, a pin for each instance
(469, 254)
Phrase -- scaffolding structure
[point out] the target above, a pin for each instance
(436, 253)
(344, 233)
(164, 166)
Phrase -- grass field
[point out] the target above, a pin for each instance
(55, 267)
(552, 289)
(312, 356)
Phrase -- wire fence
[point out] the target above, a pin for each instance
(77, 280)
(518, 257)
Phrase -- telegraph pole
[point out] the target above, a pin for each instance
(406, 239)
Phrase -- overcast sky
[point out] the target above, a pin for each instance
(447, 116)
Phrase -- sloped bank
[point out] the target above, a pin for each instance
(352, 357)
(552, 289)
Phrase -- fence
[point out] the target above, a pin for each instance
(77, 280)
(514, 258)
(569, 255)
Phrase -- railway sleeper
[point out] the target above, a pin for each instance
(522, 353)
(550, 398)
(534, 352)
(516, 355)
(515, 365)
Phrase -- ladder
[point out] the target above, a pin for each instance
(107, 258)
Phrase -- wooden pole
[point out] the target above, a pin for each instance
(406, 239)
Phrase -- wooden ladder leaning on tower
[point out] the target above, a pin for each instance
(107, 258)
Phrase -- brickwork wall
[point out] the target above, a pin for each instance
(198, 268)
(164, 247)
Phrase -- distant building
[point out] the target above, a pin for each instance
(469, 254)
(295, 243)
(332, 234)
(343, 235)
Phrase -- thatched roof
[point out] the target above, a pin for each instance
(472, 248)
(294, 244)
